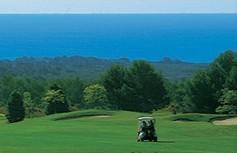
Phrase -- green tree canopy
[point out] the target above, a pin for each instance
(95, 96)
(228, 102)
(73, 89)
(231, 81)
(16, 110)
(205, 87)
(220, 69)
(56, 100)
(179, 97)
(144, 88)
(226, 60)
(201, 93)
(113, 82)
(29, 105)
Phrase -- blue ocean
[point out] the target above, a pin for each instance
(188, 37)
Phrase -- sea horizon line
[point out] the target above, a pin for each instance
(116, 13)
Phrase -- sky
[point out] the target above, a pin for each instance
(118, 6)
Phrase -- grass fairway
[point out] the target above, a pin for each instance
(85, 132)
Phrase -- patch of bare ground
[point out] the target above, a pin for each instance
(100, 116)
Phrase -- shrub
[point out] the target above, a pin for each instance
(16, 110)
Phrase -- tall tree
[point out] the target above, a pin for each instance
(16, 110)
(144, 88)
(56, 100)
(219, 71)
(226, 60)
(113, 81)
(201, 93)
(95, 96)
(179, 97)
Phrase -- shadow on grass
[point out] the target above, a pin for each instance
(159, 141)
(166, 141)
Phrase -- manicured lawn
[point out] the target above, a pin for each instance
(83, 132)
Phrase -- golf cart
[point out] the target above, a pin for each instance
(146, 129)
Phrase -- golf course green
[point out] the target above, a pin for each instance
(95, 131)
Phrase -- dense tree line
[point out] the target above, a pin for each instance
(209, 91)
(38, 94)
(138, 87)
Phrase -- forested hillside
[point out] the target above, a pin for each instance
(48, 86)
(87, 68)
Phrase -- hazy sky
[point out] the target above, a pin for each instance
(118, 6)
